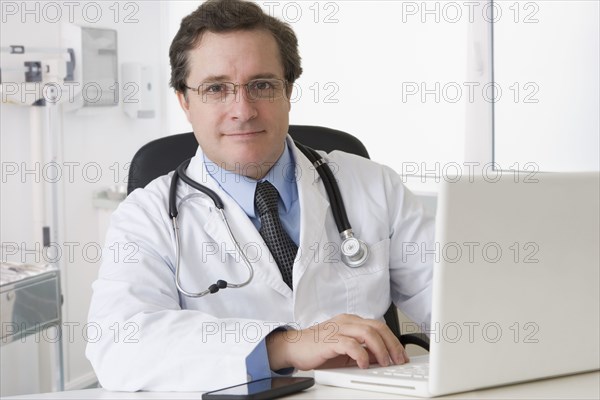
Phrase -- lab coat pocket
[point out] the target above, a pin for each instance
(379, 259)
(368, 286)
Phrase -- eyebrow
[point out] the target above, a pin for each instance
(225, 78)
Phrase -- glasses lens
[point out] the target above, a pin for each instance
(265, 89)
(257, 89)
(215, 92)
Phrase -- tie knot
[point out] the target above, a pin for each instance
(265, 198)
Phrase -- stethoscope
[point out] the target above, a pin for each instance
(354, 251)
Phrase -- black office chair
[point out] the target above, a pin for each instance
(163, 155)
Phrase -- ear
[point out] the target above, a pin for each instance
(289, 96)
(185, 105)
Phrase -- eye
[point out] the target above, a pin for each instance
(262, 85)
(212, 88)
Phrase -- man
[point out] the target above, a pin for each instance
(232, 69)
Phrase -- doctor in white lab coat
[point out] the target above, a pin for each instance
(154, 338)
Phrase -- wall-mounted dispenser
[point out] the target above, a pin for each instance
(137, 92)
(95, 74)
(99, 67)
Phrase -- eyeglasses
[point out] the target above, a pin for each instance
(256, 89)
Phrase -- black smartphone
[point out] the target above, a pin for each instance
(262, 389)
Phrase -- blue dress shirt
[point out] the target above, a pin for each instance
(281, 175)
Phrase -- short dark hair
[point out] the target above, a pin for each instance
(226, 16)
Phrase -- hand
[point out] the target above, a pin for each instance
(341, 341)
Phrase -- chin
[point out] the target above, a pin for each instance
(251, 163)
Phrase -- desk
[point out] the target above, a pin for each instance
(581, 386)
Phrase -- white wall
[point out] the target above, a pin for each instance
(547, 58)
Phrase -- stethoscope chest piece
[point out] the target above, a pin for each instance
(354, 252)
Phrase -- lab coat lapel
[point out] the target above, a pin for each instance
(250, 241)
(313, 207)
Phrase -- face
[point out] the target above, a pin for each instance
(242, 135)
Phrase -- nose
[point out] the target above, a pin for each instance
(241, 108)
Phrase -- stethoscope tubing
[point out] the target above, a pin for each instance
(220, 284)
(333, 192)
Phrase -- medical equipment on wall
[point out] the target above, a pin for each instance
(81, 74)
(35, 75)
(354, 251)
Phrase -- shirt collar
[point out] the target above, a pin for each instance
(241, 188)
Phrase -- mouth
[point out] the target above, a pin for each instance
(243, 134)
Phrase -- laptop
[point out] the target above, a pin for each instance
(515, 288)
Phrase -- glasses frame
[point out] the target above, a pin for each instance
(235, 90)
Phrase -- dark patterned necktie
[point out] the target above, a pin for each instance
(278, 241)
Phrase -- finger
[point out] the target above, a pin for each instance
(389, 349)
(392, 344)
(394, 348)
(343, 348)
(353, 349)
(370, 338)
(339, 362)
(345, 361)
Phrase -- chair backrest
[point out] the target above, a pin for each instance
(163, 155)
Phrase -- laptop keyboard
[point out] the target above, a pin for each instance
(407, 371)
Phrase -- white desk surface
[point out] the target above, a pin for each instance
(581, 386)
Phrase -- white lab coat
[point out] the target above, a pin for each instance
(153, 338)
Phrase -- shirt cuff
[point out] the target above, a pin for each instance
(257, 363)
